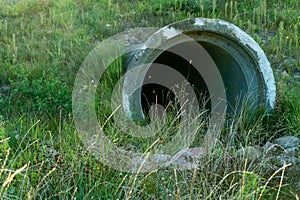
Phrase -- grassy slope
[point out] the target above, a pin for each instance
(42, 45)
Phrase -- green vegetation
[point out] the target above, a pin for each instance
(42, 45)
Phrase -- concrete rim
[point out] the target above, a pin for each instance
(235, 34)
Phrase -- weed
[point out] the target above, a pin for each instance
(43, 44)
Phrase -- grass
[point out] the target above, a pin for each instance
(42, 45)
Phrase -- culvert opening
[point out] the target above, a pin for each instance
(235, 65)
(156, 94)
(242, 65)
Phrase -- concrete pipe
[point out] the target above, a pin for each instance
(219, 60)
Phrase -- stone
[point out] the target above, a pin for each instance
(252, 153)
(268, 146)
(283, 150)
(288, 141)
(188, 159)
(272, 149)
(287, 159)
(292, 151)
(147, 163)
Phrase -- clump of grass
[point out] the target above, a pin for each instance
(58, 166)
(43, 45)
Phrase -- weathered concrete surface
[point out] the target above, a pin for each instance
(245, 70)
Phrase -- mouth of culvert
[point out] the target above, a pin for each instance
(153, 94)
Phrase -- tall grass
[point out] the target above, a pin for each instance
(43, 44)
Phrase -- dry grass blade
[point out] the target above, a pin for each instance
(271, 177)
(11, 177)
(281, 180)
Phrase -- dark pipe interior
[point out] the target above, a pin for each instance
(156, 94)
(231, 73)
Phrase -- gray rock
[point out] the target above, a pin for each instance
(268, 146)
(288, 141)
(147, 163)
(294, 151)
(252, 153)
(272, 149)
(188, 159)
(282, 150)
(287, 159)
